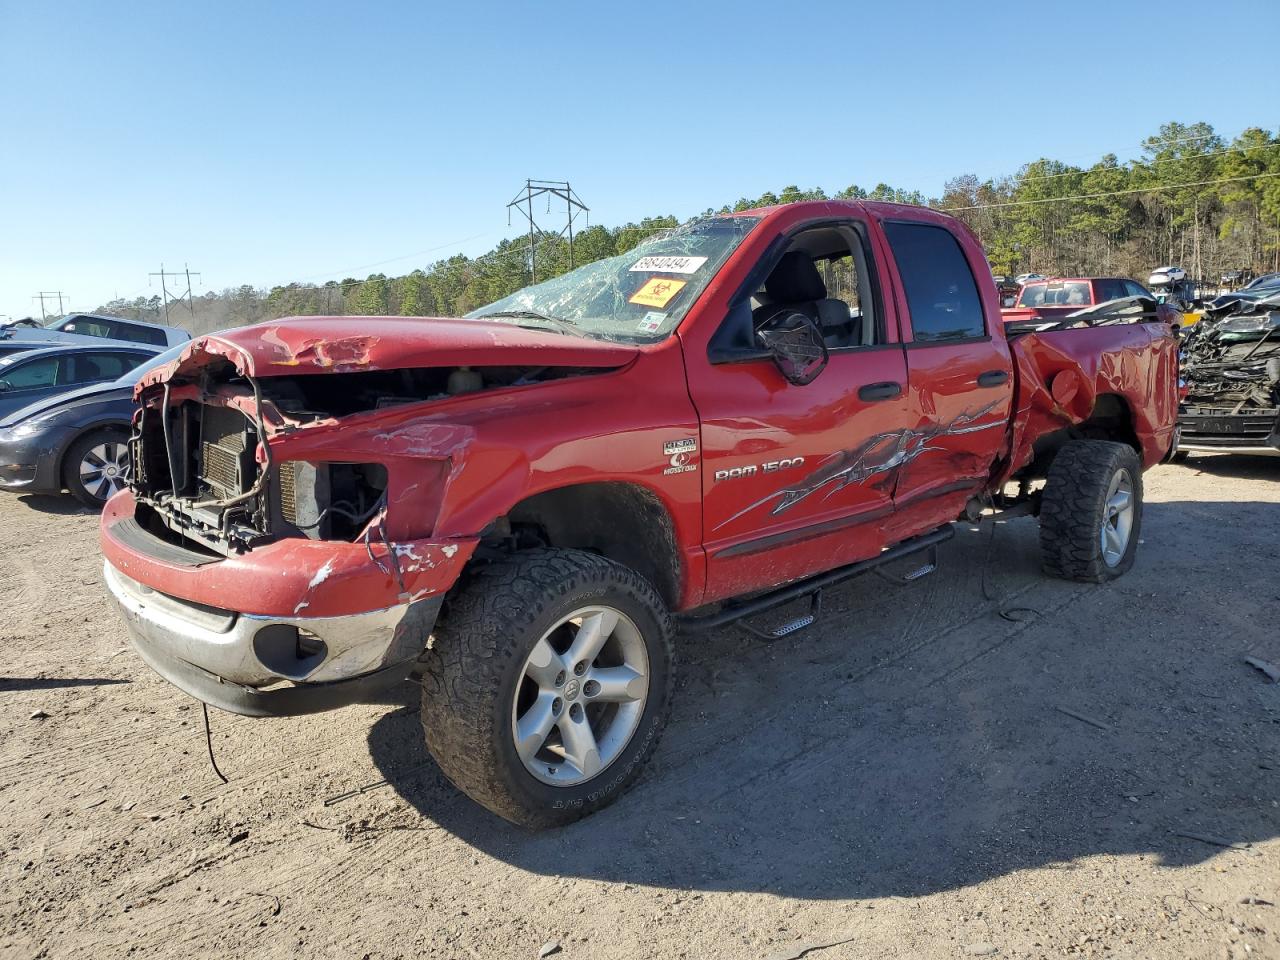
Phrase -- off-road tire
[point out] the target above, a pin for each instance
(1072, 510)
(476, 659)
(75, 454)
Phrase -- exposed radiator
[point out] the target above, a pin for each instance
(226, 453)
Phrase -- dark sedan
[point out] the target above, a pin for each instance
(34, 375)
(76, 440)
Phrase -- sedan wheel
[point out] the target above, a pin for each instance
(104, 469)
(97, 466)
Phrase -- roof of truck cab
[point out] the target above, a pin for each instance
(881, 207)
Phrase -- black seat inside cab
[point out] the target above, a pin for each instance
(796, 286)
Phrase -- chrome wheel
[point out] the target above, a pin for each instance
(104, 469)
(580, 696)
(1117, 518)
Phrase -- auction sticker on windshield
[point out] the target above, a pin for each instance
(651, 322)
(657, 292)
(669, 264)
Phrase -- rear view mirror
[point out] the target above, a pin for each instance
(796, 345)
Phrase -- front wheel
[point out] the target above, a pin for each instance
(547, 683)
(1091, 511)
(97, 466)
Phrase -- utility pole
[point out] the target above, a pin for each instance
(164, 289)
(524, 203)
(50, 294)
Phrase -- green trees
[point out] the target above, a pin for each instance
(1191, 199)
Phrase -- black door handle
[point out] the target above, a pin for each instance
(886, 390)
(992, 378)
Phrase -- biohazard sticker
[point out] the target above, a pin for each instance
(657, 292)
(669, 264)
(651, 322)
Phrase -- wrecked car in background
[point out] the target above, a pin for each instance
(1231, 368)
(527, 505)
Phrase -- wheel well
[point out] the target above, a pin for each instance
(621, 521)
(80, 435)
(1111, 419)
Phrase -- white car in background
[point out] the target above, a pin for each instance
(1163, 276)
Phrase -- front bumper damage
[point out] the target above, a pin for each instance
(316, 625)
(226, 658)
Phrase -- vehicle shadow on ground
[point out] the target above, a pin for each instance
(1239, 466)
(868, 760)
(55, 503)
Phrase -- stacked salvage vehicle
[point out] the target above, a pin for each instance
(1231, 369)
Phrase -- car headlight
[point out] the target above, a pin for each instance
(33, 425)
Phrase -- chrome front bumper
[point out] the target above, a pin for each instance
(310, 663)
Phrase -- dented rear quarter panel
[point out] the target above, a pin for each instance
(1061, 374)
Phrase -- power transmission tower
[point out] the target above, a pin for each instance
(164, 289)
(524, 203)
(51, 294)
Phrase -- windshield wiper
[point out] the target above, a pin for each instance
(561, 325)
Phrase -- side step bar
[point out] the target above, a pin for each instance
(812, 587)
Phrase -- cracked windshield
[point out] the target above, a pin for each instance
(638, 296)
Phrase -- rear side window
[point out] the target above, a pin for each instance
(942, 295)
(104, 366)
(1109, 290)
(88, 328)
(127, 331)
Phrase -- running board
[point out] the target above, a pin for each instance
(812, 588)
(928, 567)
(791, 626)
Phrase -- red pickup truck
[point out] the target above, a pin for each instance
(527, 505)
(1057, 298)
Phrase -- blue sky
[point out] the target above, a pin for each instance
(269, 142)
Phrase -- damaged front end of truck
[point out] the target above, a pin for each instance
(1231, 371)
(277, 551)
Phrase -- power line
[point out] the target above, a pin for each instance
(1114, 193)
(164, 290)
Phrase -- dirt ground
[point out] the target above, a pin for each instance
(916, 776)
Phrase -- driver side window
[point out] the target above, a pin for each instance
(822, 275)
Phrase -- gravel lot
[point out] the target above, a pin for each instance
(916, 776)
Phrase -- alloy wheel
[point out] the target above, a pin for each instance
(580, 696)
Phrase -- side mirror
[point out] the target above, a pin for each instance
(5, 386)
(796, 345)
